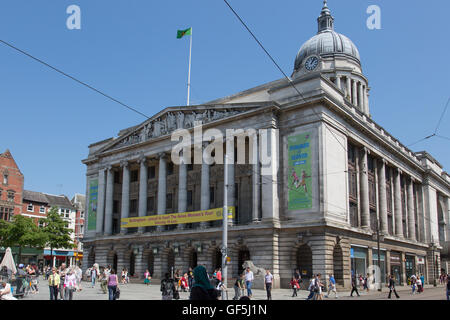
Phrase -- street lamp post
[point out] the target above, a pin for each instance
(225, 225)
(433, 248)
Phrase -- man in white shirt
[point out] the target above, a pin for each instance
(248, 281)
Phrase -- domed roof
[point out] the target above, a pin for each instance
(327, 42)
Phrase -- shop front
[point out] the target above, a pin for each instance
(359, 260)
(59, 257)
(28, 255)
(410, 266)
(382, 265)
(421, 266)
(396, 267)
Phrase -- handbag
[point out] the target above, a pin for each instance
(117, 295)
(176, 295)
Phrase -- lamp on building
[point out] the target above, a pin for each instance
(136, 251)
(176, 249)
(199, 248)
(155, 250)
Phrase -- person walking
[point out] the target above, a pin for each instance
(249, 281)
(268, 280)
(448, 287)
(104, 279)
(202, 288)
(190, 278)
(239, 287)
(311, 288)
(167, 287)
(366, 283)
(392, 287)
(62, 275)
(354, 287)
(53, 284)
(332, 287)
(419, 285)
(94, 274)
(70, 282)
(413, 284)
(422, 279)
(113, 284)
(318, 288)
(295, 286)
(147, 277)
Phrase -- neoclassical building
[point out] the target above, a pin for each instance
(335, 176)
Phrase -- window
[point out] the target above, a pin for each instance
(82, 215)
(134, 176)
(189, 198)
(353, 215)
(152, 172)
(5, 179)
(169, 204)
(11, 196)
(67, 211)
(116, 177)
(211, 194)
(116, 206)
(133, 206)
(42, 209)
(190, 167)
(170, 168)
(0, 194)
(151, 204)
(41, 224)
(30, 207)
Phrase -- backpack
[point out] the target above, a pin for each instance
(168, 287)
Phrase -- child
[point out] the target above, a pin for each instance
(295, 286)
(147, 277)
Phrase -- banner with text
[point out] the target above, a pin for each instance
(176, 218)
(299, 152)
(92, 204)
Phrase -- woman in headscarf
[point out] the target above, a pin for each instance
(202, 288)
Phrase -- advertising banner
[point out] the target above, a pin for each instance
(176, 218)
(299, 171)
(92, 205)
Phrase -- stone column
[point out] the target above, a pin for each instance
(182, 189)
(101, 201)
(338, 82)
(382, 197)
(349, 89)
(125, 209)
(256, 179)
(398, 205)
(109, 201)
(366, 95)
(204, 190)
(411, 213)
(355, 93)
(143, 176)
(162, 187)
(360, 97)
(139, 267)
(365, 209)
(269, 174)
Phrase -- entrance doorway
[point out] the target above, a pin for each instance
(243, 256)
(304, 263)
(217, 259)
(150, 263)
(132, 264)
(193, 259)
(171, 262)
(338, 264)
(115, 262)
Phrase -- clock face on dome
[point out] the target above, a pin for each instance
(311, 63)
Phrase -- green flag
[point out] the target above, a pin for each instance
(182, 33)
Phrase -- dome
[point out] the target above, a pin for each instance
(327, 42)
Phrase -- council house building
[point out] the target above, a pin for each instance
(335, 176)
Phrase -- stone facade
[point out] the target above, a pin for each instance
(361, 178)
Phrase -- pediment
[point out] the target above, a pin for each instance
(171, 119)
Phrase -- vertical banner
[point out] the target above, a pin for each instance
(92, 205)
(299, 171)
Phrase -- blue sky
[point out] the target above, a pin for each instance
(129, 50)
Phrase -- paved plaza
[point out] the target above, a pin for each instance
(138, 291)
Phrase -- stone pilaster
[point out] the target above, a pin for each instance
(256, 179)
(101, 201)
(398, 205)
(143, 175)
(411, 213)
(382, 197)
(109, 201)
(204, 190)
(125, 209)
(162, 187)
(182, 190)
(365, 209)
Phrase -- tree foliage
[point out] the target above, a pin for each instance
(56, 230)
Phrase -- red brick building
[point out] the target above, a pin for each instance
(11, 187)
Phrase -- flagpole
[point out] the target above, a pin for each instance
(189, 74)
